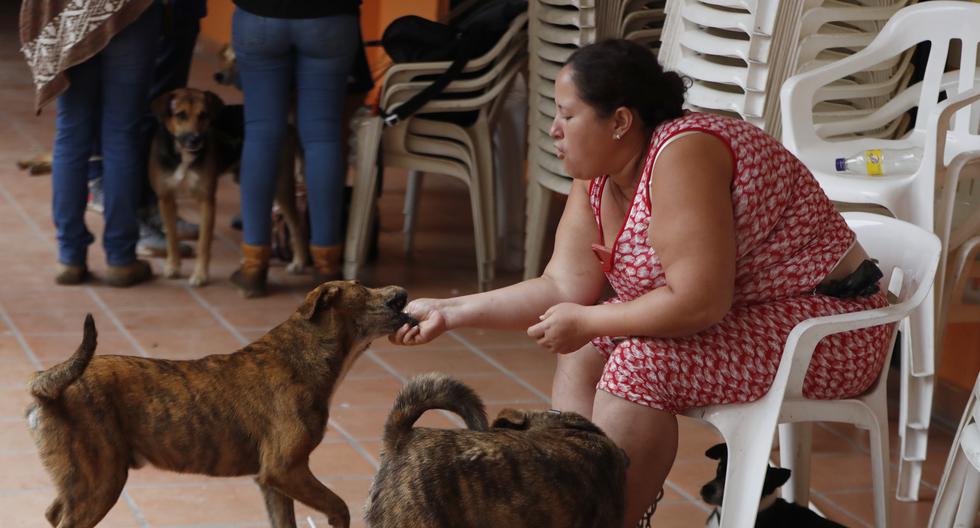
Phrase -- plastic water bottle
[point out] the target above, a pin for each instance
(881, 162)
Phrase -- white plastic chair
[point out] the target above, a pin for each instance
(907, 196)
(958, 496)
(441, 147)
(909, 269)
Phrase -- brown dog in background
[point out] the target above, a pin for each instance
(259, 411)
(199, 140)
(532, 469)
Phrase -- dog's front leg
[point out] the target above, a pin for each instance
(279, 507)
(206, 231)
(168, 211)
(299, 483)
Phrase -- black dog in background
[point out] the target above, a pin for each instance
(774, 512)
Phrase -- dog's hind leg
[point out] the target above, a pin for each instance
(299, 483)
(279, 507)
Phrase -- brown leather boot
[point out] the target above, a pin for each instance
(327, 263)
(69, 275)
(250, 277)
(128, 275)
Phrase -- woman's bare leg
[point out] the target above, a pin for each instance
(576, 376)
(649, 437)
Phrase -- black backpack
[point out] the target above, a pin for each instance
(415, 39)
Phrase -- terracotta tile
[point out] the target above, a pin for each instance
(214, 502)
(15, 437)
(522, 358)
(54, 320)
(189, 317)
(26, 508)
(331, 460)
(679, 514)
(362, 423)
(13, 402)
(377, 392)
(186, 344)
(410, 361)
(51, 349)
(22, 471)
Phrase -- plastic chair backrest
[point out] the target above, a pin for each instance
(938, 22)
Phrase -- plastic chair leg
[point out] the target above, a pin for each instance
(748, 459)
(368, 137)
(412, 194)
(879, 463)
(795, 446)
(538, 202)
(950, 490)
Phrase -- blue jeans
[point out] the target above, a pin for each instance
(274, 56)
(104, 103)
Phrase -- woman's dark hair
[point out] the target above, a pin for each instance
(617, 72)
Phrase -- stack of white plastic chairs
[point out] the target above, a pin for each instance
(556, 29)
(738, 53)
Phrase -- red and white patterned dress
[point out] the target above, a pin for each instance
(789, 237)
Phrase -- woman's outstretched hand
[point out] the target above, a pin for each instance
(561, 330)
(432, 323)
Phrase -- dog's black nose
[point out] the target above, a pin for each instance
(219, 77)
(398, 301)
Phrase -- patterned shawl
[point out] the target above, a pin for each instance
(58, 34)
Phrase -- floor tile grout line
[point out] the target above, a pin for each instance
(26, 218)
(135, 509)
(833, 504)
(115, 321)
(217, 316)
(394, 372)
(687, 496)
(354, 443)
(507, 372)
(19, 337)
(893, 466)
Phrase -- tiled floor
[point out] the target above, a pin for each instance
(40, 325)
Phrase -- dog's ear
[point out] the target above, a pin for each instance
(717, 451)
(317, 299)
(511, 419)
(775, 477)
(213, 103)
(160, 107)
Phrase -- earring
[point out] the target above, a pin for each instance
(617, 136)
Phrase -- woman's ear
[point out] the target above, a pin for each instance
(622, 119)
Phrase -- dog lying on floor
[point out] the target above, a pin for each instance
(199, 140)
(258, 411)
(531, 469)
(774, 512)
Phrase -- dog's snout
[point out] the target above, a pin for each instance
(711, 493)
(192, 141)
(398, 301)
(219, 77)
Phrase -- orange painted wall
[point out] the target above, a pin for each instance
(960, 361)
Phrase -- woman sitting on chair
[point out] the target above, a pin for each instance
(716, 242)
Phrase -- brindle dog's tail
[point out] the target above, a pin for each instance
(48, 384)
(432, 391)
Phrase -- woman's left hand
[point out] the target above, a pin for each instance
(561, 329)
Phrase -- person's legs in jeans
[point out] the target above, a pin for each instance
(325, 50)
(75, 125)
(265, 62)
(127, 68)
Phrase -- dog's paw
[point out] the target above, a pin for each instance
(295, 268)
(198, 279)
(171, 270)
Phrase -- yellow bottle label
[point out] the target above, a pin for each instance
(873, 159)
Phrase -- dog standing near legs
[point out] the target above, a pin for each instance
(259, 411)
(532, 469)
(190, 152)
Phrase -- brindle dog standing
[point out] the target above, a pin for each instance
(259, 411)
(190, 151)
(532, 469)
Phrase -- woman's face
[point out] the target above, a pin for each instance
(583, 140)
